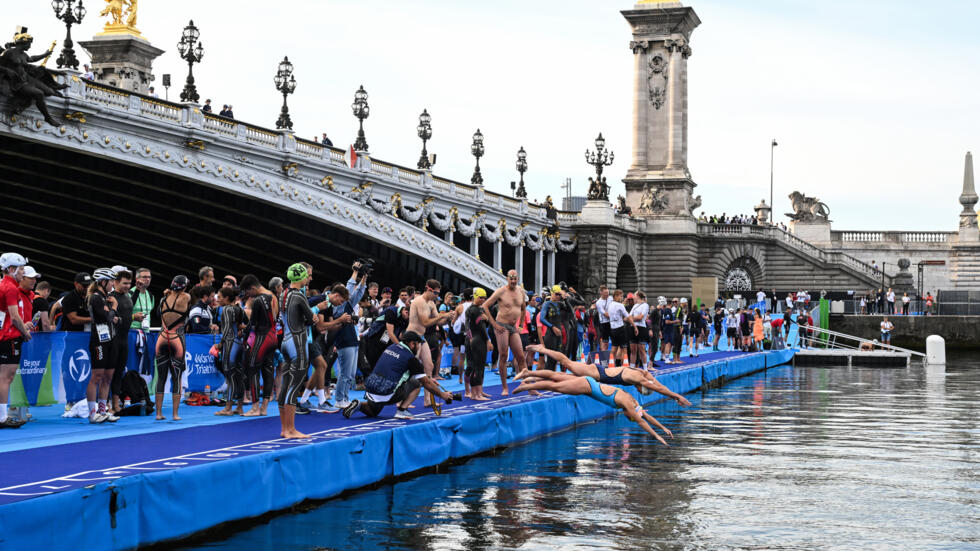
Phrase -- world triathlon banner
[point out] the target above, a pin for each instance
(56, 367)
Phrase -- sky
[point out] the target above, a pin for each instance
(874, 103)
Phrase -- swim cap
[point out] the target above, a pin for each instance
(480, 292)
(179, 283)
(556, 289)
(297, 272)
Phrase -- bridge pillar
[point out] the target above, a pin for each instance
(538, 270)
(551, 267)
(498, 249)
(519, 262)
(448, 236)
(475, 245)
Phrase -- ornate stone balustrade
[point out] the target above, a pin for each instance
(773, 233)
(894, 237)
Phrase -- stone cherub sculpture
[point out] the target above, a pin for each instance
(598, 189)
(23, 83)
(808, 209)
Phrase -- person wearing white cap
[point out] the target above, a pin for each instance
(13, 329)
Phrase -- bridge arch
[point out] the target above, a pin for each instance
(742, 263)
(627, 277)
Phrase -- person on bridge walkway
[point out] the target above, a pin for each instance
(171, 347)
(573, 385)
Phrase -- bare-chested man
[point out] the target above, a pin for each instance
(424, 319)
(511, 304)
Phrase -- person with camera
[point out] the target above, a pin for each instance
(344, 300)
(397, 379)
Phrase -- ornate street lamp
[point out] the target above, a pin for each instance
(522, 168)
(425, 132)
(477, 150)
(599, 159)
(64, 11)
(190, 51)
(361, 110)
(286, 83)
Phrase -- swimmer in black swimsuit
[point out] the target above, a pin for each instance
(621, 376)
(574, 385)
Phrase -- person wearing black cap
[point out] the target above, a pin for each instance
(388, 383)
(74, 309)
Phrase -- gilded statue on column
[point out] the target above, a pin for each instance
(122, 17)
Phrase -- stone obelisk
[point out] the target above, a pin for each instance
(965, 265)
(658, 183)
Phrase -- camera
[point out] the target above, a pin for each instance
(366, 267)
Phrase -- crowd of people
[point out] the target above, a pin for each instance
(744, 219)
(268, 336)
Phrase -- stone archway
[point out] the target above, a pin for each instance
(627, 278)
(742, 275)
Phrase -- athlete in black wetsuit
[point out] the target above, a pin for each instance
(566, 307)
(261, 343)
(476, 345)
(230, 347)
(297, 317)
(119, 350)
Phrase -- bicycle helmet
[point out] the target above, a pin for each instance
(104, 274)
(179, 283)
(8, 260)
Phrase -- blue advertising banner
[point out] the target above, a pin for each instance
(70, 353)
(201, 369)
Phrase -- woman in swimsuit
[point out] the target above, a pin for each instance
(170, 345)
(613, 397)
(644, 382)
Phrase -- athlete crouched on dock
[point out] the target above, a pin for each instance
(397, 379)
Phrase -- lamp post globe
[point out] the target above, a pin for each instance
(477, 150)
(362, 111)
(285, 82)
(191, 51)
(425, 133)
(71, 14)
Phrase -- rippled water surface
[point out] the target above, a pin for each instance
(805, 458)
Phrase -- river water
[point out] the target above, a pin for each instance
(794, 458)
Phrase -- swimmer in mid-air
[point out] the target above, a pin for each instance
(566, 383)
(621, 376)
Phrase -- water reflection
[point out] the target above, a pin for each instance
(791, 459)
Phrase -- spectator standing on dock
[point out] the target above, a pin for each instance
(929, 304)
(890, 298)
(74, 313)
(906, 302)
(601, 307)
(864, 304)
(102, 308)
(14, 330)
(760, 298)
(40, 306)
(618, 338)
(886, 331)
(143, 305)
(119, 349)
(668, 329)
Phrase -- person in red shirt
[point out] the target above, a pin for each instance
(13, 329)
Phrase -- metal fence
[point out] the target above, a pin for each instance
(945, 303)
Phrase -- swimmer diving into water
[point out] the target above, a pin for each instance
(613, 397)
(621, 376)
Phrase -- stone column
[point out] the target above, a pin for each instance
(675, 105)
(519, 263)
(551, 267)
(640, 49)
(497, 252)
(448, 236)
(538, 270)
(123, 60)
(475, 245)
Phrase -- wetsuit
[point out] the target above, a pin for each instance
(232, 316)
(551, 318)
(655, 328)
(171, 346)
(119, 349)
(297, 317)
(476, 348)
(102, 331)
(569, 323)
(261, 345)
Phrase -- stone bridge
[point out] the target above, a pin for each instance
(132, 179)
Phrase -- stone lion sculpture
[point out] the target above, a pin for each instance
(808, 209)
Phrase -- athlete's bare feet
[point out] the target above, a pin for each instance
(524, 373)
(533, 393)
(178, 418)
(254, 412)
(485, 395)
(160, 417)
(481, 398)
(224, 412)
(520, 388)
(294, 434)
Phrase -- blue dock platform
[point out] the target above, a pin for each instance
(65, 483)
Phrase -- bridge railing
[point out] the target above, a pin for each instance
(775, 233)
(893, 237)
